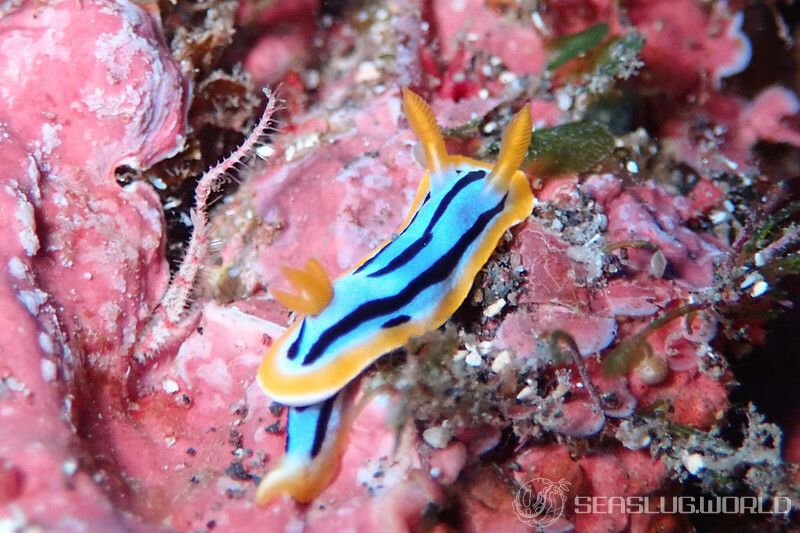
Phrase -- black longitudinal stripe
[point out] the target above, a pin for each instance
(289, 433)
(289, 416)
(396, 321)
(291, 353)
(404, 257)
(434, 274)
(374, 257)
(416, 247)
(322, 425)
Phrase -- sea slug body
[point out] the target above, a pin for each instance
(409, 285)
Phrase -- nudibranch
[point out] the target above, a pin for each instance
(409, 285)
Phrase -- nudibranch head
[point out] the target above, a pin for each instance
(411, 284)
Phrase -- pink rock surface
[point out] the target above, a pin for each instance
(680, 50)
(680, 54)
(449, 463)
(521, 330)
(571, 16)
(555, 301)
(740, 124)
(286, 40)
(482, 31)
(86, 264)
(650, 214)
(274, 55)
(614, 473)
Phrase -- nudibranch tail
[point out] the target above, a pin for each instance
(423, 124)
(513, 149)
(313, 286)
(315, 439)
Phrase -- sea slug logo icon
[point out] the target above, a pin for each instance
(541, 508)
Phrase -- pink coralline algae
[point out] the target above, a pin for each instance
(740, 124)
(289, 29)
(589, 354)
(484, 33)
(83, 260)
(688, 43)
